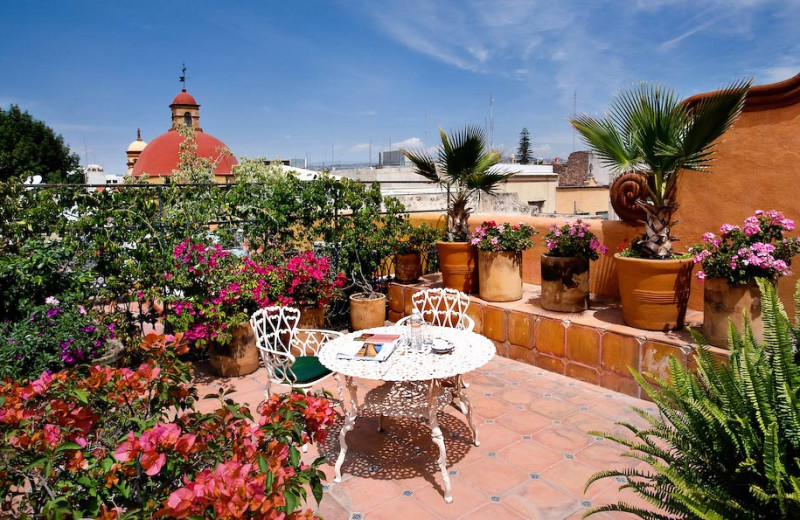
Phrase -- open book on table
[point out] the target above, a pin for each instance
(370, 347)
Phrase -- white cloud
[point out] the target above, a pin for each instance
(775, 74)
(412, 143)
(360, 147)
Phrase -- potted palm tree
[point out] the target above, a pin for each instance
(463, 167)
(650, 132)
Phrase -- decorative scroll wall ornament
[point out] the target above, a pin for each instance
(624, 191)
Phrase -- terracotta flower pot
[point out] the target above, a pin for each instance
(239, 357)
(459, 264)
(654, 293)
(407, 267)
(565, 283)
(500, 275)
(366, 312)
(311, 318)
(723, 302)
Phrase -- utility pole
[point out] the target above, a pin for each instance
(491, 121)
(574, 111)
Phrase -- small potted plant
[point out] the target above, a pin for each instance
(408, 252)
(731, 262)
(462, 168)
(565, 267)
(500, 259)
(655, 135)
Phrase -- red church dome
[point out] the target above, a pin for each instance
(184, 98)
(160, 156)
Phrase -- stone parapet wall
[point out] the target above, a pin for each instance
(593, 346)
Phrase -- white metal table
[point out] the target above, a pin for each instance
(419, 383)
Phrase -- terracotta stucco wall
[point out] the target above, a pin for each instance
(757, 167)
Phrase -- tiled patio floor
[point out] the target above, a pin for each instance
(534, 459)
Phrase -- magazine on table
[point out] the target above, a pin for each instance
(370, 347)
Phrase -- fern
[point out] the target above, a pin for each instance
(725, 443)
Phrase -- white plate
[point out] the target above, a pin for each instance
(441, 346)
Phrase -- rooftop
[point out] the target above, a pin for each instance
(535, 456)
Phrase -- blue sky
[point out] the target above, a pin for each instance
(290, 79)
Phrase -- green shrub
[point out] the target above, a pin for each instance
(726, 441)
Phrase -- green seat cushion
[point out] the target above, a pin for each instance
(306, 368)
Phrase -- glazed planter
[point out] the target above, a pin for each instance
(723, 302)
(407, 267)
(239, 357)
(367, 312)
(654, 293)
(458, 262)
(565, 283)
(500, 275)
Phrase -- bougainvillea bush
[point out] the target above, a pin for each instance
(52, 336)
(110, 443)
(573, 239)
(758, 249)
(216, 290)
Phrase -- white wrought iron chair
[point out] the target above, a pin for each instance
(443, 308)
(290, 354)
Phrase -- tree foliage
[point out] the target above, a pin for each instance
(29, 147)
(524, 149)
(726, 441)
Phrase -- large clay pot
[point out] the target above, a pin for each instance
(366, 312)
(565, 283)
(407, 267)
(239, 357)
(723, 302)
(459, 264)
(500, 275)
(311, 318)
(654, 293)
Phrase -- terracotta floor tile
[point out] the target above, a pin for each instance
(586, 421)
(578, 395)
(466, 498)
(515, 375)
(360, 494)
(490, 407)
(606, 455)
(494, 475)
(563, 438)
(495, 437)
(538, 500)
(329, 508)
(571, 476)
(552, 407)
(497, 511)
(531, 456)
(399, 508)
(517, 395)
(524, 422)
